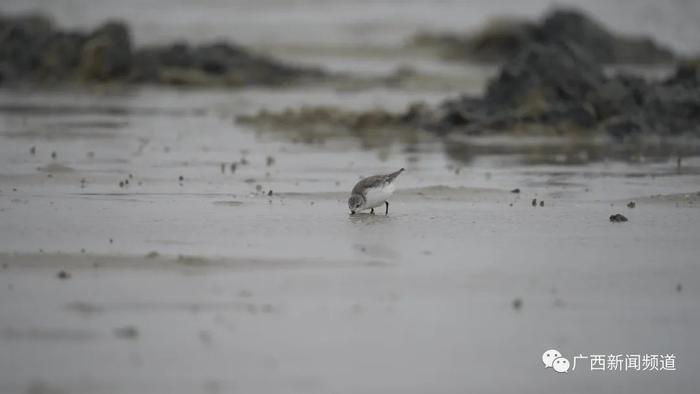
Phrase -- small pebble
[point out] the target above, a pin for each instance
(121, 183)
(127, 332)
(679, 287)
(53, 155)
(618, 218)
(517, 304)
(631, 204)
(32, 150)
(541, 203)
(516, 191)
(270, 161)
(181, 178)
(534, 202)
(63, 275)
(233, 167)
(269, 193)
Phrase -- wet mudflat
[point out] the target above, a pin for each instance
(151, 244)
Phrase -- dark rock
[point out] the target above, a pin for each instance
(61, 56)
(602, 45)
(534, 202)
(516, 191)
(631, 204)
(618, 218)
(107, 53)
(687, 74)
(499, 39)
(556, 85)
(22, 40)
(547, 84)
(63, 275)
(32, 50)
(212, 64)
(502, 39)
(517, 304)
(622, 126)
(545, 75)
(126, 332)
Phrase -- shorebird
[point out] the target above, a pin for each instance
(372, 192)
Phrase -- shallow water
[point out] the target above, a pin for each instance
(210, 284)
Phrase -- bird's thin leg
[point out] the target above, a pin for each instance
(387, 207)
(371, 211)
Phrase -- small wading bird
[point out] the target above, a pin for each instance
(372, 192)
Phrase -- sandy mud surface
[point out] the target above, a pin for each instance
(192, 278)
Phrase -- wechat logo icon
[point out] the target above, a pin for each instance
(552, 358)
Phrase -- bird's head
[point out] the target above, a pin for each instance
(355, 202)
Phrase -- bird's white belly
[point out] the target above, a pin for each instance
(376, 196)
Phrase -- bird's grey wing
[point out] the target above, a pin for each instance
(393, 175)
(368, 183)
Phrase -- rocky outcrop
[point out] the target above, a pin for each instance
(219, 63)
(34, 51)
(505, 38)
(598, 42)
(106, 54)
(550, 88)
(557, 86)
